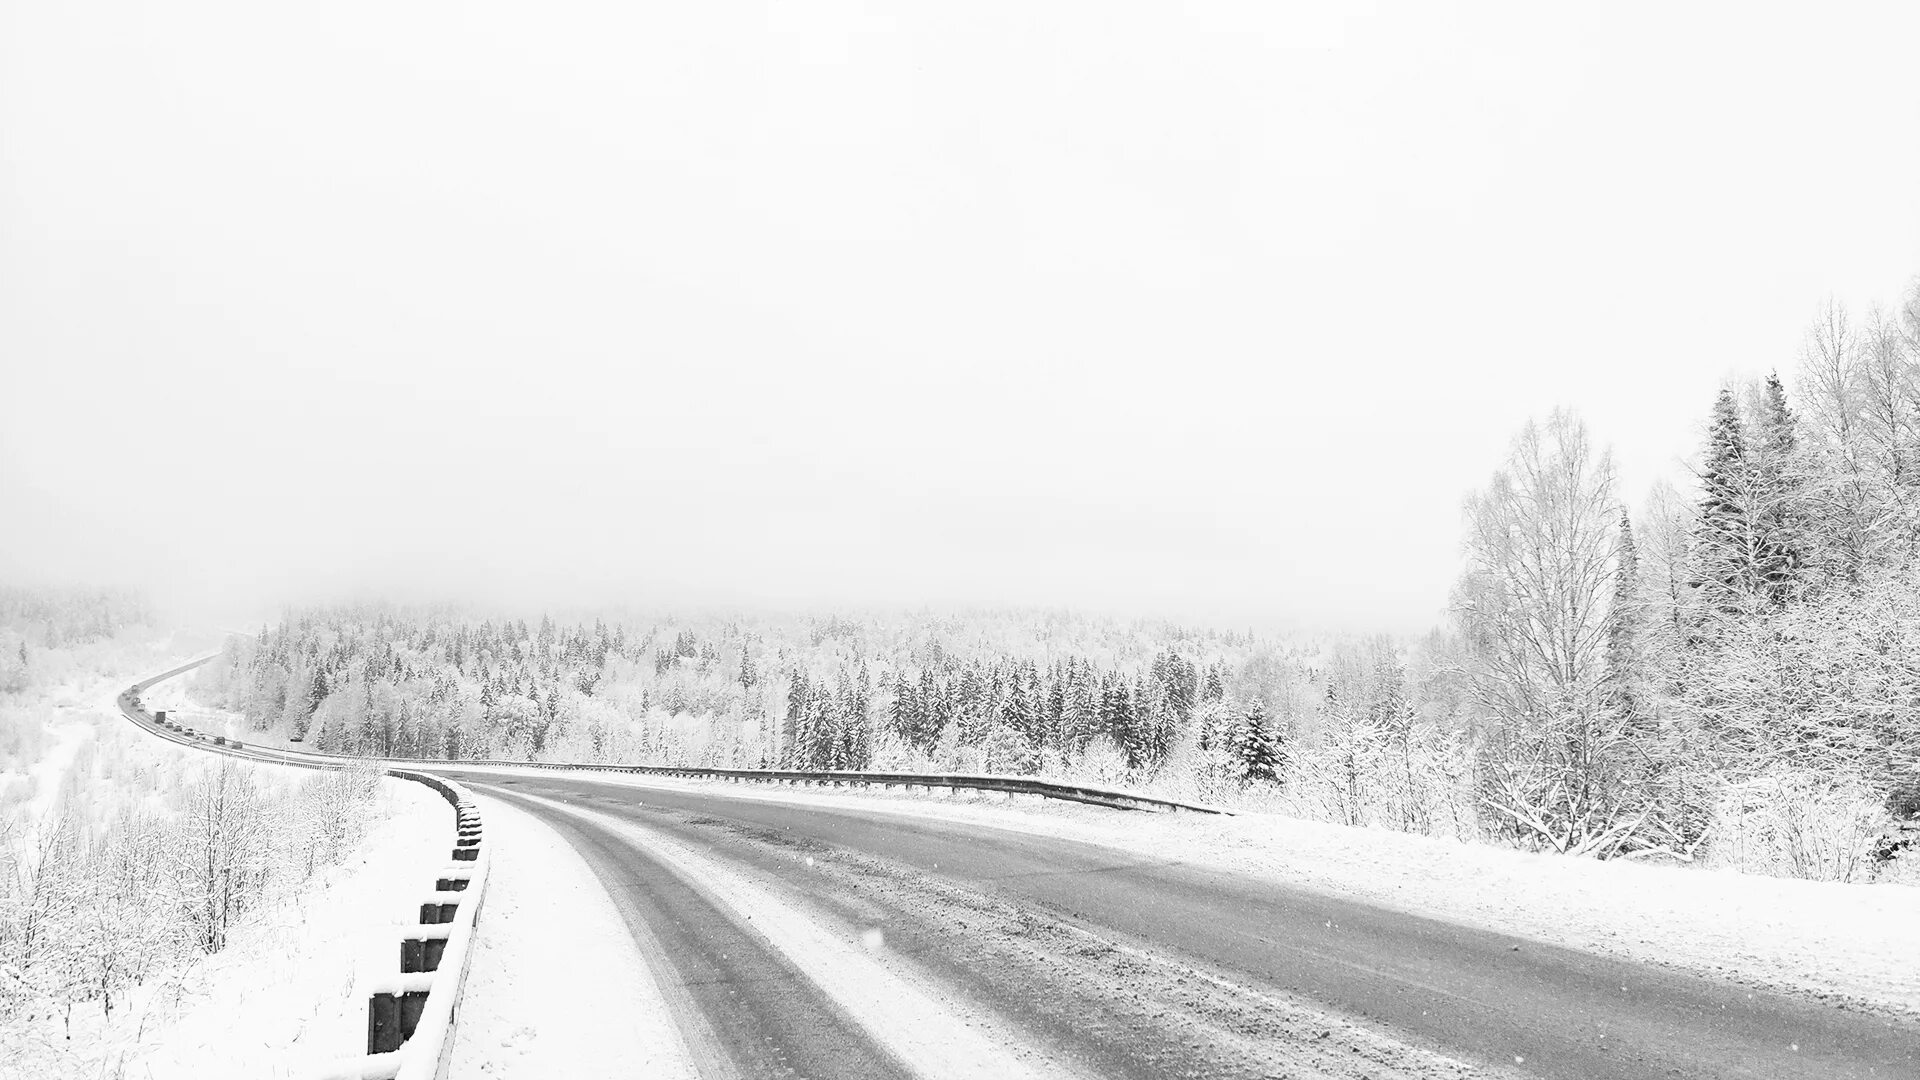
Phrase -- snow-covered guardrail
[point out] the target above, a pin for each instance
(410, 1013)
(1119, 798)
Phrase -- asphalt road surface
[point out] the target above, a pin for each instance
(1131, 967)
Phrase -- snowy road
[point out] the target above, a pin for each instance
(798, 939)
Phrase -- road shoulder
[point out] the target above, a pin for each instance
(553, 961)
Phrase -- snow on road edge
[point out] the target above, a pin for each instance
(556, 986)
(940, 1037)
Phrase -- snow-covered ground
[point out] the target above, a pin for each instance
(286, 995)
(47, 774)
(1849, 943)
(553, 959)
(283, 997)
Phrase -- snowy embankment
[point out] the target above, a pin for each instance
(282, 992)
(288, 992)
(1848, 943)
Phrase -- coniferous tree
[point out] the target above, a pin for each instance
(1216, 683)
(1257, 753)
(900, 714)
(823, 749)
(1180, 687)
(1152, 724)
(1727, 547)
(972, 706)
(1624, 674)
(1782, 555)
(1086, 704)
(405, 740)
(796, 733)
(931, 714)
(1016, 709)
(1122, 725)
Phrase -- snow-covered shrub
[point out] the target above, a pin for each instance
(894, 754)
(952, 755)
(1008, 753)
(1340, 777)
(1798, 823)
(1198, 773)
(1417, 778)
(1103, 763)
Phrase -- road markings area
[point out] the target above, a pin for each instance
(939, 1038)
(931, 976)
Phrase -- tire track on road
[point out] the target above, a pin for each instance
(758, 988)
(1513, 1003)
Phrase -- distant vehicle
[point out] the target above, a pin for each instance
(160, 715)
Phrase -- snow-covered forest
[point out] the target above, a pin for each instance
(122, 860)
(1004, 692)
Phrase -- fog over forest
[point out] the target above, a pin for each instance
(1096, 307)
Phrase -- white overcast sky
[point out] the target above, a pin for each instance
(1210, 310)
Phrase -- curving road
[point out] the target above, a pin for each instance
(1110, 965)
(1101, 964)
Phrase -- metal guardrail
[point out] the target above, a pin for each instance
(1118, 798)
(410, 1015)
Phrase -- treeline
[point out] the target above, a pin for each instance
(1017, 712)
(53, 618)
(374, 683)
(1737, 672)
(973, 692)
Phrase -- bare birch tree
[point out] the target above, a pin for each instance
(1533, 610)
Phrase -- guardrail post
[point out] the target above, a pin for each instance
(391, 1020)
(421, 954)
(383, 1024)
